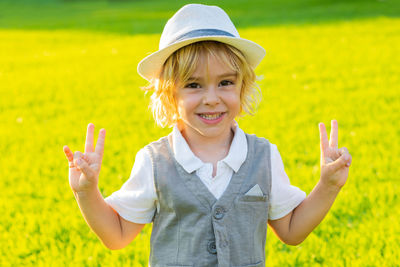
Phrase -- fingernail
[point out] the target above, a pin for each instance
(348, 164)
(79, 161)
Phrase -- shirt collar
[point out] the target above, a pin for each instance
(238, 151)
(182, 152)
(188, 160)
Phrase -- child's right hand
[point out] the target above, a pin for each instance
(84, 168)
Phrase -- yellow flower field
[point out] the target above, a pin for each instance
(72, 63)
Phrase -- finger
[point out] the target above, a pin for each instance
(343, 161)
(333, 140)
(346, 156)
(100, 143)
(70, 156)
(323, 139)
(86, 157)
(89, 138)
(84, 167)
(78, 155)
(68, 153)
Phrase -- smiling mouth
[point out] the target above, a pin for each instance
(212, 116)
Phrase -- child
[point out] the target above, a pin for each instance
(209, 188)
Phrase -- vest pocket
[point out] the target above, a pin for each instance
(249, 217)
(258, 264)
(247, 198)
(250, 206)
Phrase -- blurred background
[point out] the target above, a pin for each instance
(64, 64)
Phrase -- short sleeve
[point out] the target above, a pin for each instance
(136, 200)
(284, 196)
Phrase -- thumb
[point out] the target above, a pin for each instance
(84, 167)
(343, 161)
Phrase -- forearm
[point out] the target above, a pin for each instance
(101, 218)
(311, 211)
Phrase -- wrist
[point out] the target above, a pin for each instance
(87, 193)
(329, 188)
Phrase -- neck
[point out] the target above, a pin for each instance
(208, 149)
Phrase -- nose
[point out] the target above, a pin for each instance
(211, 96)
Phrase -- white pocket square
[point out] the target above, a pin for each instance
(255, 191)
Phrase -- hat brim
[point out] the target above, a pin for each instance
(150, 67)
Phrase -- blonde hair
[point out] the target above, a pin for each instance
(179, 67)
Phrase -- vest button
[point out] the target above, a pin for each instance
(211, 247)
(219, 212)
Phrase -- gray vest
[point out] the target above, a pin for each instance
(193, 228)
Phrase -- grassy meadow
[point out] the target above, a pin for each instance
(64, 64)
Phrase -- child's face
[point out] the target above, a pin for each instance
(209, 102)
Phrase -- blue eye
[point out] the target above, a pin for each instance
(226, 83)
(192, 85)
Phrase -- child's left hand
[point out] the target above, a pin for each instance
(335, 162)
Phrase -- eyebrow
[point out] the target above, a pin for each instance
(228, 74)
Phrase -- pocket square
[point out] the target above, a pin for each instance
(255, 191)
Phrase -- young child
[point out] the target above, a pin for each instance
(209, 188)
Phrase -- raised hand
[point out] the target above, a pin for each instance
(84, 168)
(335, 162)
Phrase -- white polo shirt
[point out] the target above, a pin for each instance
(137, 201)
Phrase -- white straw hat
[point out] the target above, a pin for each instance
(193, 23)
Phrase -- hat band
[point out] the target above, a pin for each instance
(201, 33)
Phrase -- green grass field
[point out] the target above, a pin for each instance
(64, 64)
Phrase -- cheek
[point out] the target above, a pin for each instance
(184, 106)
(234, 99)
(235, 105)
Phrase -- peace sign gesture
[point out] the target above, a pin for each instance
(84, 168)
(335, 162)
